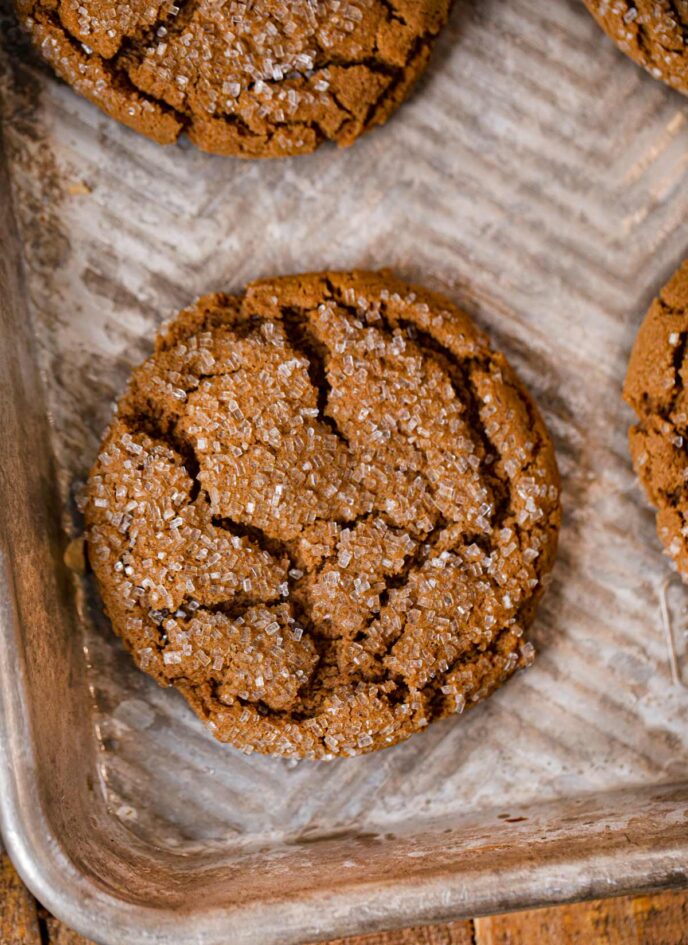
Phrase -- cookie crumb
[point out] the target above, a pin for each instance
(75, 555)
(78, 188)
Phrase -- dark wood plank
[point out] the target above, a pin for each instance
(642, 920)
(18, 916)
(456, 933)
(59, 934)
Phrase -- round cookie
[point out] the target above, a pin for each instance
(262, 78)
(654, 33)
(324, 511)
(656, 389)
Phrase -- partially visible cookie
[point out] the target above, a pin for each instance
(325, 512)
(656, 389)
(654, 33)
(251, 78)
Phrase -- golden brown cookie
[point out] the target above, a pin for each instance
(656, 389)
(654, 33)
(251, 78)
(325, 511)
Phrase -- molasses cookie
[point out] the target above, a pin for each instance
(656, 389)
(654, 33)
(252, 78)
(325, 511)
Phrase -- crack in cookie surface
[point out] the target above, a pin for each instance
(324, 511)
(252, 79)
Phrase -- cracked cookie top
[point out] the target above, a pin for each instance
(656, 389)
(324, 511)
(253, 78)
(654, 33)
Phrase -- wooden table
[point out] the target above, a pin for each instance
(643, 920)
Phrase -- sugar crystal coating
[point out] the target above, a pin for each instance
(324, 512)
(656, 389)
(654, 33)
(253, 78)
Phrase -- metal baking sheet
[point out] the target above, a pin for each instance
(539, 179)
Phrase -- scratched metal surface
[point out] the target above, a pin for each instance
(538, 178)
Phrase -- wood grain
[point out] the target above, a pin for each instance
(59, 934)
(456, 933)
(18, 918)
(642, 920)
